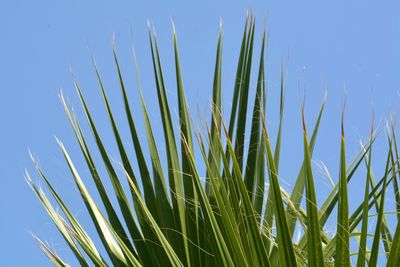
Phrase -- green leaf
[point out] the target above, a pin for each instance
(394, 259)
(174, 259)
(123, 202)
(244, 96)
(216, 117)
(378, 228)
(53, 257)
(395, 162)
(364, 228)
(298, 189)
(60, 226)
(104, 231)
(285, 246)
(277, 152)
(342, 253)
(251, 173)
(187, 172)
(223, 256)
(112, 215)
(162, 199)
(174, 169)
(251, 219)
(314, 242)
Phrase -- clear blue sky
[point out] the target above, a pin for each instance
(349, 47)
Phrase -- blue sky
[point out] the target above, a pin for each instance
(349, 48)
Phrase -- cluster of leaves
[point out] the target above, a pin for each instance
(175, 218)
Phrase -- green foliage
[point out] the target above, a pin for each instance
(175, 218)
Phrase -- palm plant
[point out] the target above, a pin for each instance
(175, 218)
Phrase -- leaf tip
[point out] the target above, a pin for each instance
(342, 124)
(372, 122)
(303, 120)
(173, 26)
(343, 111)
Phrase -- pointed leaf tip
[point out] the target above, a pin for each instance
(342, 124)
(325, 96)
(343, 110)
(173, 26)
(148, 24)
(113, 41)
(303, 120)
(372, 122)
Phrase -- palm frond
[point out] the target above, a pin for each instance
(230, 218)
